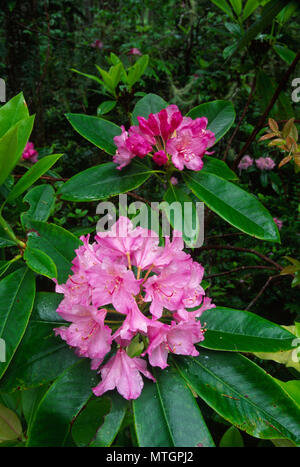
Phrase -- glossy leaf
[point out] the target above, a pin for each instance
(88, 421)
(32, 175)
(10, 425)
(12, 145)
(218, 167)
(41, 357)
(60, 404)
(39, 261)
(98, 131)
(188, 222)
(151, 103)
(285, 53)
(232, 438)
(107, 432)
(166, 414)
(57, 243)
(105, 180)
(234, 205)
(242, 331)
(220, 116)
(17, 291)
(12, 112)
(41, 200)
(136, 71)
(242, 393)
(5, 240)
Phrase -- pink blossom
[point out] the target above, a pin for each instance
(245, 163)
(97, 44)
(88, 333)
(134, 51)
(167, 288)
(140, 282)
(176, 338)
(160, 158)
(113, 283)
(174, 180)
(190, 144)
(129, 146)
(265, 163)
(278, 222)
(162, 124)
(123, 238)
(30, 153)
(123, 373)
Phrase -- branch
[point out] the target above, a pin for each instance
(241, 119)
(244, 250)
(261, 122)
(261, 291)
(241, 268)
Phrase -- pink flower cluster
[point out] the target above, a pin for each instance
(134, 51)
(245, 163)
(265, 163)
(30, 153)
(152, 298)
(166, 136)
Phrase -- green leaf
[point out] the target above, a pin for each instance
(12, 112)
(98, 131)
(115, 74)
(285, 53)
(106, 107)
(10, 425)
(107, 432)
(151, 103)
(17, 291)
(39, 261)
(293, 389)
(242, 393)
(41, 357)
(232, 438)
(105, 180)
(137, 70)
(166, 414)
(220, 116)
(60, 404)
(12, 145)
(237, 6)
(268, 14)
(188, 222)
(30, 400)
(32, 175)
(250, 6)
(57, 243)
(86, 75)
(41, 200)
(223, 5)
(242, 331)
(5, 240)
(218, 167)
(88, 421)
(234, 205)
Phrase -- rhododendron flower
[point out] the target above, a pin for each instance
(140, 283)
(245, 163)
(97, 44)
(174, 180)
(123, 373)
(167, 137)
(278, 222)
(30, 153)
(134, 51)
(265, 163)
